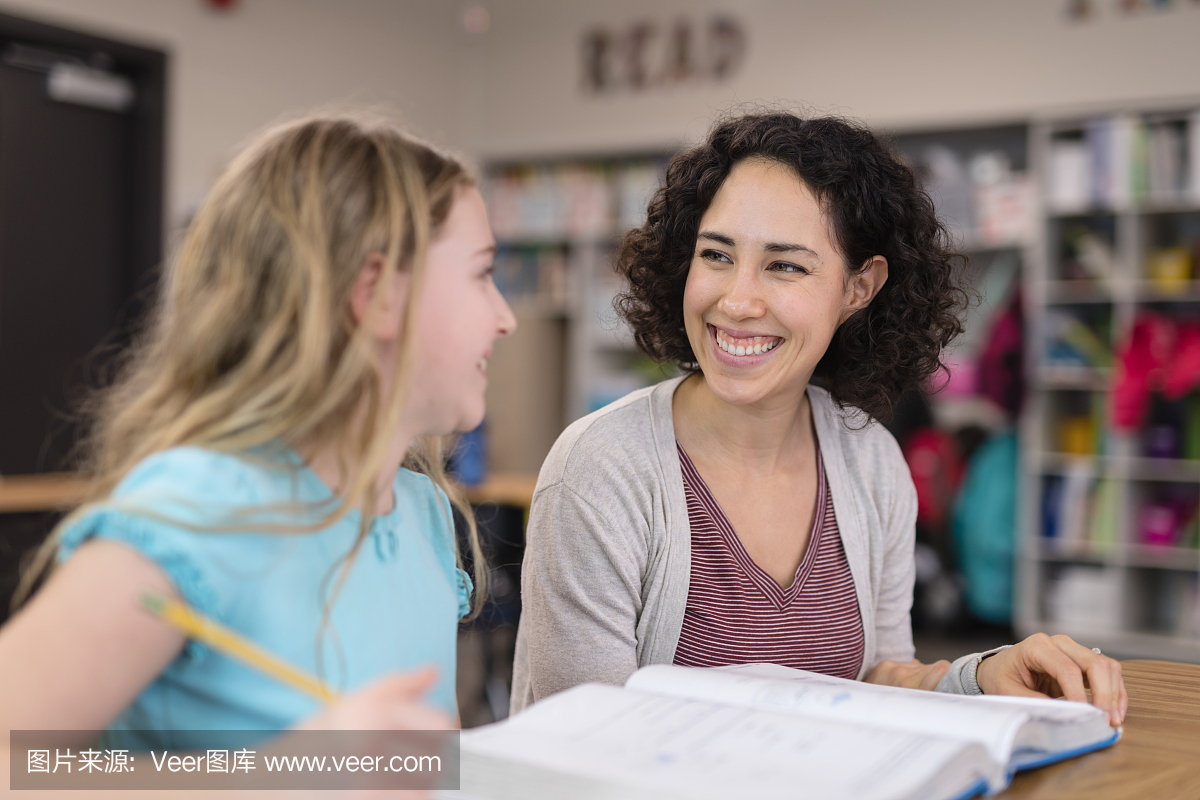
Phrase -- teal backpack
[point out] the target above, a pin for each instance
(984, 528)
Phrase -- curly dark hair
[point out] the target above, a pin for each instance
(875, 206)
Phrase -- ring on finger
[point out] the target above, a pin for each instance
(1096, 650)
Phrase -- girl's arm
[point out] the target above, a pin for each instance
(82, 649)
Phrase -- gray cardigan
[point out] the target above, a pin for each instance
(608, 545)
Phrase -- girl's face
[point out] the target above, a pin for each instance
(459, 316)
(767, 287)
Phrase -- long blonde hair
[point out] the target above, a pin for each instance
(253, 340)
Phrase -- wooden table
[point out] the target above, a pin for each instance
(63, 491)
(1158, 758)
(46, 492)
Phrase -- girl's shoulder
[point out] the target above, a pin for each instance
(419, 500)
(168, 504)
(214, 477)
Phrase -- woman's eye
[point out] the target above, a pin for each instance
(791, 269)
(715, 255)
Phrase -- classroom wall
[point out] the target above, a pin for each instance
(234, 72)
(516, 89)
(896, 63)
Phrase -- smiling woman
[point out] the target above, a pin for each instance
(753, 510)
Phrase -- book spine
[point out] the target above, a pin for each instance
(1193, 156)
(1140, 179)
(1121, 163)
(1099, 144)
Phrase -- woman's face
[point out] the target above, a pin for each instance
(459, 316)
(767, 287)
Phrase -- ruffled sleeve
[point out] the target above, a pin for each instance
(168, 547)
(161, 510)
(465, 588)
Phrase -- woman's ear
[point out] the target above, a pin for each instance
(377, 299)
(864, 285)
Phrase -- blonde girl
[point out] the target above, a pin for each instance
(269, 455)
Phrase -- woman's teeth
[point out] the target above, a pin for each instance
(747, 347)
(482, 364)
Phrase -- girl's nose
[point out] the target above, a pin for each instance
(507, 323)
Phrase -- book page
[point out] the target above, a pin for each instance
(679, 747)
(993, 723)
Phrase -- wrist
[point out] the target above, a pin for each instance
(982, 671)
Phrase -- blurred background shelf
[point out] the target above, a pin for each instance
(558, 223)
(1110, 486)
(1135, 468)
(1073, 376)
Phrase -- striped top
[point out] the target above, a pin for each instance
(737, 614)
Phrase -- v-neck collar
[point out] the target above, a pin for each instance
(779, 597)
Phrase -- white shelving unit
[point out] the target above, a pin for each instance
(979, 180)
(1086, 564)
(558, 223)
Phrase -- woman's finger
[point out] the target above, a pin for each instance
(1103, 675)
(933, 674)
(1006, 685)
(1122, 702)
(1125, 699)
(1039, 655)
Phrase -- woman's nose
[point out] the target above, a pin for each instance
(743, 297)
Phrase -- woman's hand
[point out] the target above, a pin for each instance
(1056, 666)
(909, 674)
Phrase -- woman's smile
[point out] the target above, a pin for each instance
(741, 348)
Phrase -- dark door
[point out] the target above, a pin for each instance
(66, 201)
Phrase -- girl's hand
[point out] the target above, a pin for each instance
(1056, 666)
(390, 703)
(909, 674)
(375, 713)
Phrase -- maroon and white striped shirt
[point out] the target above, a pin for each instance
(737, 614)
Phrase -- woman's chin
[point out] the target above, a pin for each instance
(737, 390)
(750, 390)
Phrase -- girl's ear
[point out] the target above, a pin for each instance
(377, 303)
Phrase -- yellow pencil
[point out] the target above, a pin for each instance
(223, 640)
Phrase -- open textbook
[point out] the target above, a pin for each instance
(766, 731)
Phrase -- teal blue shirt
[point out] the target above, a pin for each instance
(397, 609)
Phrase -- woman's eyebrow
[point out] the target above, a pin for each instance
(770, 247)
(784, 247)
(717, 237)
